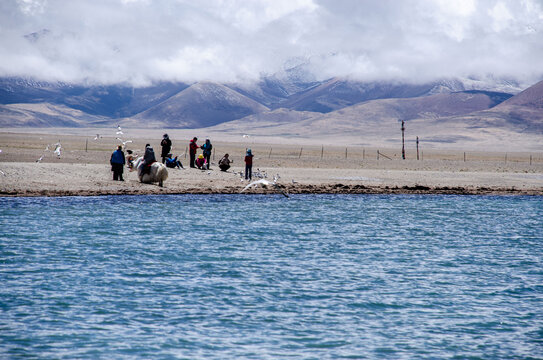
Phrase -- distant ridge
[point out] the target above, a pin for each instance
(200, 105)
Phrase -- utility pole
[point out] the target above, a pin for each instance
(403, 141)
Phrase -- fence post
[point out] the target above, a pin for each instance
(86, 144)
(377, 154)
(506, 158)
(464, 156)
(345, 153)
(213, 154)
(363, 154)
(299, 156)
(530, 159)
(322, 151)
(186, 149)
(269, 155)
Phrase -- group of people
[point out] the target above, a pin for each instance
(202, 162)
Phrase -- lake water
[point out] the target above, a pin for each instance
(265, 277)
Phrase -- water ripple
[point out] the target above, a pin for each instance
(264, 277)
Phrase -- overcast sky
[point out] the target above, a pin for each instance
(141, 41)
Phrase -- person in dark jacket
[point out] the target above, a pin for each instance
(148, 159)
(224, 163)
(192, 151)
(248, 165)
(117, 163)
(166, 144)
(206, 150)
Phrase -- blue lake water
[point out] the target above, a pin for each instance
(265, 277)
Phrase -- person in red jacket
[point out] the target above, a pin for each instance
(248, 165)
(192, 151)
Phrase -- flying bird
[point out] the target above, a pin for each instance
(124, 142)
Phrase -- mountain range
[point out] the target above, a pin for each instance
(278, 104)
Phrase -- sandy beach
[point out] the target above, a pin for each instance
(303, 167)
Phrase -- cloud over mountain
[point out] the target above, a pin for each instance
(143, 41)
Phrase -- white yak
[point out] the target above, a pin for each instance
(158, 172)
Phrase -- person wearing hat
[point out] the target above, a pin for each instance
(248, 165)
(201, 162)
(117, 162)
(166, 144)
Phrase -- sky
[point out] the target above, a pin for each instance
(140, 42)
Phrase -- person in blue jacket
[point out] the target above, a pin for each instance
(206, 149)
(117, 163)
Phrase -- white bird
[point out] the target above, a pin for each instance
(245, 136)
(294, 182)
(47, 147)
(40, 159)
(58, 149)
(119, 130)
(124, 142)
(97, 137)
(264, 182)
(3, 173)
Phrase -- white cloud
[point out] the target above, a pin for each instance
(140, 41)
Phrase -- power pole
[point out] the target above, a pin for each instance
(403, 140)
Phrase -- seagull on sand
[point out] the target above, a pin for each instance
(57, 149)
(119, 130)
(97, 137)
(264, 182)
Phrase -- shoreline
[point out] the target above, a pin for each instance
(331, 189)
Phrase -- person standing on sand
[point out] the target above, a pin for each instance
(192, 151)
(166, 144)
(117, 162)
(248, 165)
(206, 149)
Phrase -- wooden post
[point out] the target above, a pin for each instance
(377, 154)
(464, 156)
(506, 158)
(417, 147)
(213, 154)
(269, 155)
(363, 154)
(345, 153)
(86, 144)
(300, 155)
(530, 159)
(322, 151)
(186, 149)
(403, 141)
